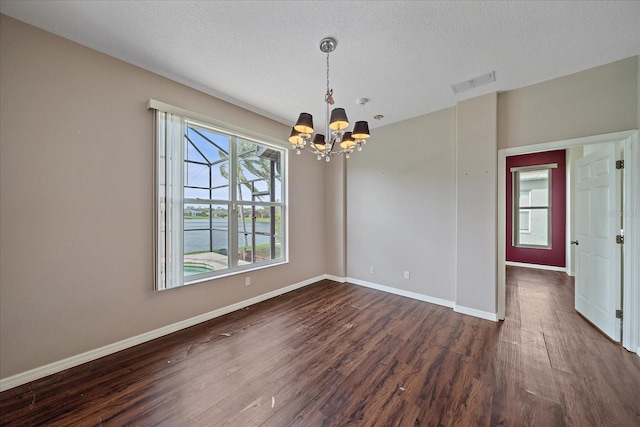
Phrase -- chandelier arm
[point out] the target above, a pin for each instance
(337, 153)
(309, 148)
(313, 149)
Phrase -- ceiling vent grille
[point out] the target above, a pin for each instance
(474, 82)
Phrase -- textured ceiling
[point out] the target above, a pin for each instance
(402, 55)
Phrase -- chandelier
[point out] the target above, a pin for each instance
(337, 141)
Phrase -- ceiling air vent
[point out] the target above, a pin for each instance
(474, 82)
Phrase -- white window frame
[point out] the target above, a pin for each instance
(528, 211)
(169, 129)
(515, 179)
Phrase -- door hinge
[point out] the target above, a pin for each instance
(618, 314)
(619, 164)
(620, 239)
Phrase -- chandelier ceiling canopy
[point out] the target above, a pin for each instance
(337, 140)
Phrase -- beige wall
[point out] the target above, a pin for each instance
(76, 159)
(335, 204)
(592, 102)
(401, 206)
(476, 212)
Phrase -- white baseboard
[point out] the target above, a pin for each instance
(476, 313)
(446, 303)
(70, 362)
(335, 278)
(538, 266)
(401, 292)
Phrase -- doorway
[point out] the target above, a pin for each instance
(631, 288)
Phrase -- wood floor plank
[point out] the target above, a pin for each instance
(510, 330)
(304, 405)
(507, 381)
(378, 398)
(360, 380)
(538, 376)
(559, 356)
(335, 354)
(608, 394)
(577, 400)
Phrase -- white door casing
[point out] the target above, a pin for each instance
(598, 256)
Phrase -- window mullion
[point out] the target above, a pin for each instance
(175, 151)
(210, 208)
(233, 208)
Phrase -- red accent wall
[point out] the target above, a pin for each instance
(556, 255)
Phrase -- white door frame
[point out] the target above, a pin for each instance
(631, 212)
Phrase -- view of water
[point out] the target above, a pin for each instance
(198, 240)
(196, 269)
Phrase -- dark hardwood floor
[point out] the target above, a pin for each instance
(337, 354)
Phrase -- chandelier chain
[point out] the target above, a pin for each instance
(327, 95)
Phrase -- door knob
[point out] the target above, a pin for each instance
(574, 242)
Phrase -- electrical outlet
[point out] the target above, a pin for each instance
(406, 274)
(247, 281)
(372, 270)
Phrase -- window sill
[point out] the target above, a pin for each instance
(532, 247)
(245, 269)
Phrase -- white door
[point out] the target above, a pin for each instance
(598, 260)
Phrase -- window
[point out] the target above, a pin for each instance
(532, 206)
(220, 201)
